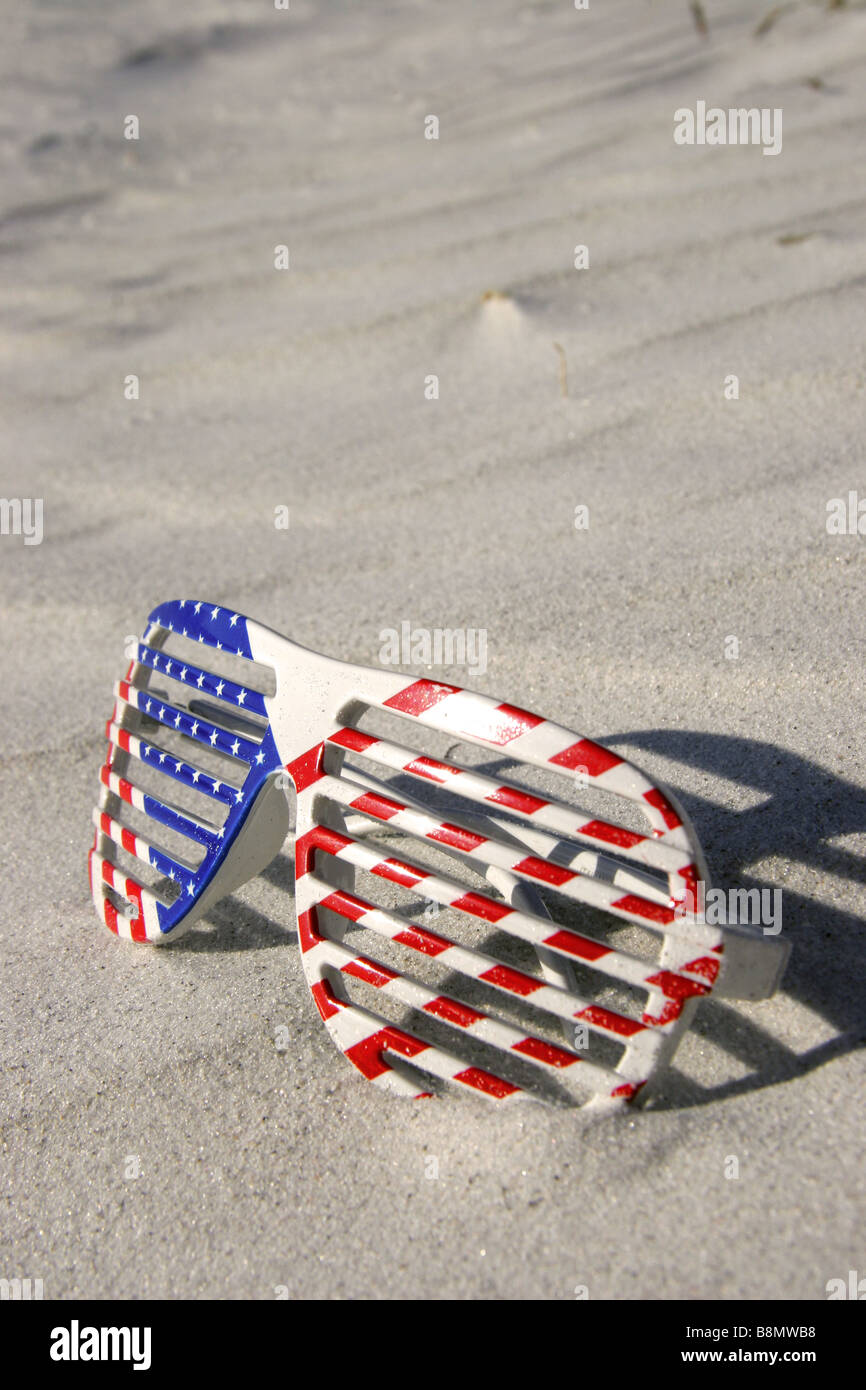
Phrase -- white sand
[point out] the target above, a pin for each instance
(305, 388)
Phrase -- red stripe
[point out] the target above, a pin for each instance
(379, 806)
(110, 915)
(587, 754)
(450, 1009)
(425, 941)
(611, 834)
(690, 893)
(513, 980)
(661, 803)
(629, 1090)
(398, 872)
(108, 912)
(517, 801)
(346, 904)
(123, 686)
(485, 1081)
(500, 725)
(428, 767)
(352, 738)
(367, 1054)
(124, 790)
(577, 945)
(671, 1009)
(641, 907)
(480, 906)
(127, 839)
(330, 841)
(308, 930)
(457, 838)
(543, 869)
(615, 1023)
(137, 929)
(705, 966)
(421, 696)
(308, 768)
(123, 739)
(105, 823)
(676, 986)
(371, 974)
(326, 1000)
(545, 1052)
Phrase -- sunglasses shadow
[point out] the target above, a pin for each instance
(805, 808)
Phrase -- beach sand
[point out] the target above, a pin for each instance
(305, 388)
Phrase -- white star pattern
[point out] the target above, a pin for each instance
(235, 747)
(213, 737)
(242, 695)
(214, 612)
(191, 890)
(182, 673)
(194, 729)
(239, 796)
(195, 774)
(216, 786)
(178, 766)
(161, 714)
(168, 668)
(233, 620)
(197, 608)
(177, 721)
(220, 687)
(260, 757)
(162, 757)
(147, 707)
(200, 681)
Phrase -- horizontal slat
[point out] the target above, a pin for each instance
(569, 945)
(161, 760)
(132, 697)
(239, 697)
(493, 794)
(474, 718)
(205, 832)
(484, 850)
(142, 849)
(453, 1013)
(551, 999)
(366, 1039)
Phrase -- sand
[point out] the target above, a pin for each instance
(262, 388)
